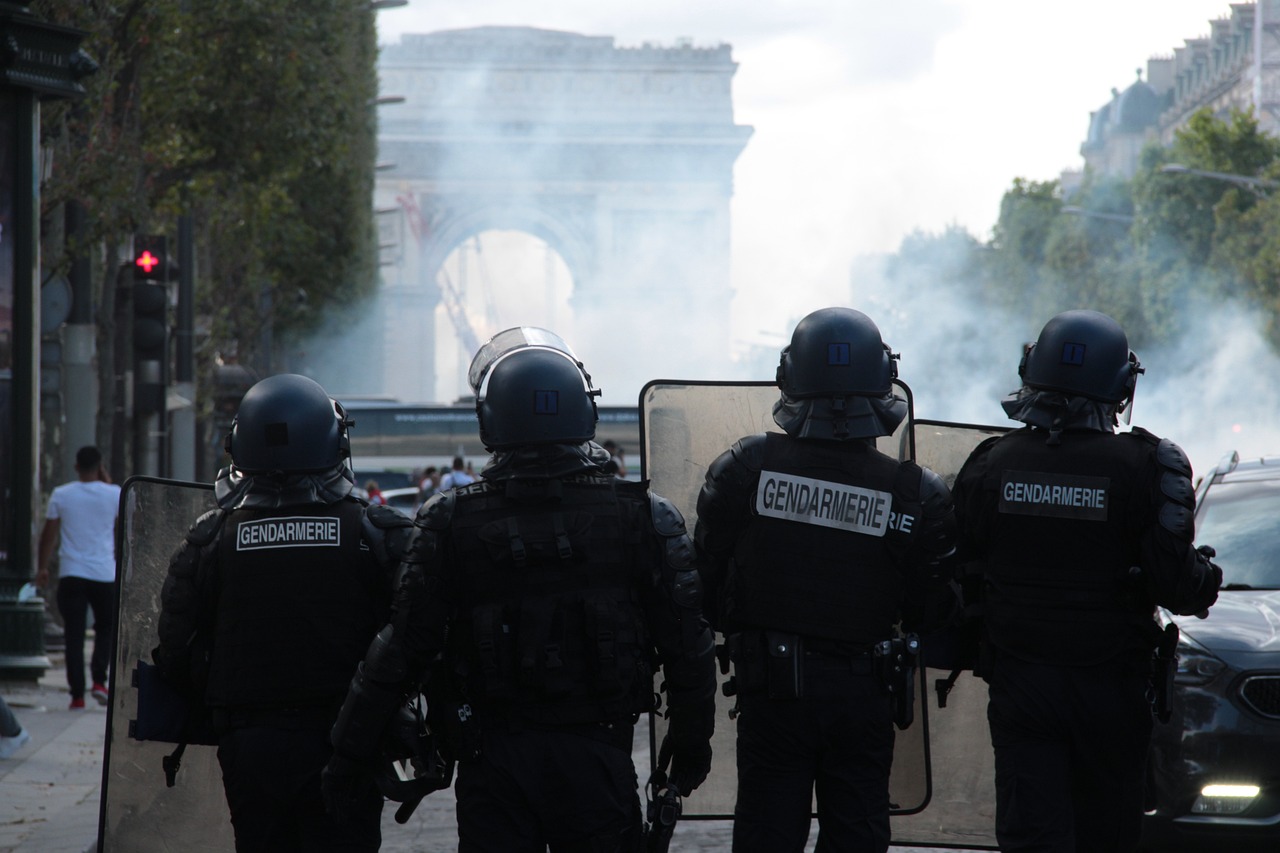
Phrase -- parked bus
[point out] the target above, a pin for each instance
(391, 440)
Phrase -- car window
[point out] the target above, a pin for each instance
(1242, 523)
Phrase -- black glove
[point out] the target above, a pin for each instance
(342, 783)
(1207, 552)
(690, 763)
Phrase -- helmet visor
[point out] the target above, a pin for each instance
(508, 340)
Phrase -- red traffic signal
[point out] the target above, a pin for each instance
(151, 257)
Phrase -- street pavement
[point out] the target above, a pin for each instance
(50, 790)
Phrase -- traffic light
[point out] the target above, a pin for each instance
(150, 319)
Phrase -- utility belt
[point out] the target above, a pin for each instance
(775, 663)
(513, 719)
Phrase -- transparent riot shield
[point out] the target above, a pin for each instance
(962, 809)
(138, 813)
(684, 426)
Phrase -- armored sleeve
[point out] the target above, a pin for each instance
(684, 640)
(972, 495)
(932, 598)
(399, 657)
(724, 511)
(185, 599)
(1177, 575)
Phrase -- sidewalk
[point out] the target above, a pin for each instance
(49, 789)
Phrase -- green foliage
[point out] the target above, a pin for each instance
(1138, 250)
(253, 116)
(1017, 279)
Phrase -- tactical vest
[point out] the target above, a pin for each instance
(298, 601)
(1065, 527)
(551, 629)
(822, 553)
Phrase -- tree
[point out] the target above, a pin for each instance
(255, 118)
(1199, 235)
(1016, 276)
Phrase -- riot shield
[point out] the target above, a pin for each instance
(684, 426)
(138, 813)
(962, 808)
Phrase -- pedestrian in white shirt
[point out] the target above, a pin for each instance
(81, 522)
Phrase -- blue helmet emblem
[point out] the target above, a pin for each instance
(546, 402)
(1072, 353)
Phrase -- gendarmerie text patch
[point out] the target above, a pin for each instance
(824, 503)
(1054, 495)
(293, 532)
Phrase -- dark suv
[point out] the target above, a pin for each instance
(1214, 769)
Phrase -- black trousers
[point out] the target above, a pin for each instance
(1070, 751)
(75, 597)
(271, 777)
(837, 739)
(534, 789)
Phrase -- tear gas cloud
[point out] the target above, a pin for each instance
(1212, 390)
(795, 230)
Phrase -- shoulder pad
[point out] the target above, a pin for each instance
(206, 528)
(1171, 456)
(749, 451)
(667, 520)
(386, 518)
(437, 512)
(740, 464)
(1175, 481)
(933, 489)
(986, 446)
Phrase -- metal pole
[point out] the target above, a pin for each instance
(182, 446)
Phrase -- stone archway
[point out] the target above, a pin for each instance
(620, 159)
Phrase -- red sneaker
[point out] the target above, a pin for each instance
(77, 704)
(99, 693)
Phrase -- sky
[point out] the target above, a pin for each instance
(873, 119)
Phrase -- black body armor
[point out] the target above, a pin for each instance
(823, 552)
(313, 557)
(1080, 540)
(551, 627)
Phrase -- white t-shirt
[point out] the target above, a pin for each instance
(86, 513)
(455, 480)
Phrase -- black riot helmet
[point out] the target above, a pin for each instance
(836, 379)
(1083, 354)
(532, 393)
(288, 423)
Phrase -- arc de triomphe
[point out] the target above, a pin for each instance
(620, 159)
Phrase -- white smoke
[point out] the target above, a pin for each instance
(1212, 391)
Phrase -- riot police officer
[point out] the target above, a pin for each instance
(550, 588)
(1077, 532)
(269, 605)
(815, 546)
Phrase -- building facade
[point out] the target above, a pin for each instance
(1235, 66)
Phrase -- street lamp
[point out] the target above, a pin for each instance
(1255, 185)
